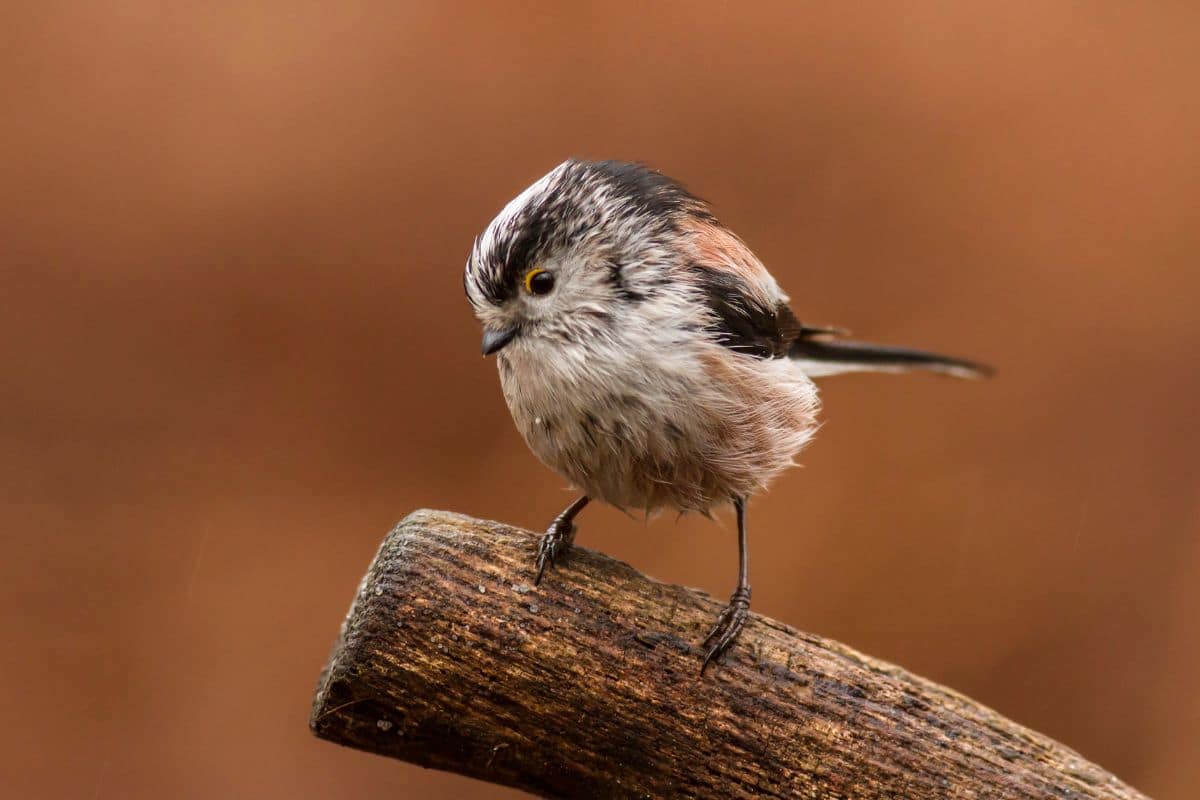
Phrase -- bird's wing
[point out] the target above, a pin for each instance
(742, 320)
(745, 323)
(750, 314)
(749, 311)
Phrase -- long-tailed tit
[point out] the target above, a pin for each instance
(648, 356)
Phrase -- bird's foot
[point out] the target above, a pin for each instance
(555, 542)
(728, 626)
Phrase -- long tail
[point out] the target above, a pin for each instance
(818, 355)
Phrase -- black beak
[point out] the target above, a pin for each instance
(495, 340)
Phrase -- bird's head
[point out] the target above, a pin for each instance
(568, 254)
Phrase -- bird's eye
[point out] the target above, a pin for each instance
(539, 281)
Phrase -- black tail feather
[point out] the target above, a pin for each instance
(830, 357)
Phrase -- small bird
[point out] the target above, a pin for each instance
(648, 356)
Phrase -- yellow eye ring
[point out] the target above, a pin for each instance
(539, 281)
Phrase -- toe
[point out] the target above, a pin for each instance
(724, 633)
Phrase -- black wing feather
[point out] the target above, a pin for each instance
(743, 324)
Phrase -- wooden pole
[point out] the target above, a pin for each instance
(590, 686)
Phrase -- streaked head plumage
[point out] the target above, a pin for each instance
(584, 221)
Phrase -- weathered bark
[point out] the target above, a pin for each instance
(589, 686)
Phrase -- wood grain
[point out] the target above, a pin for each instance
(589, 686)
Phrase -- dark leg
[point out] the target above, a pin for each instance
(730, 623)
(558, 537)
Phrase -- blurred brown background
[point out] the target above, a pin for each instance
(235, 350)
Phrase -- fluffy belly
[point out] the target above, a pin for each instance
(723, 428)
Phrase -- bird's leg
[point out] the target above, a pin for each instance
(558, 537)
(730, 623)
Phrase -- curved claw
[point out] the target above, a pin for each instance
(728, 626)
(554, 542)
